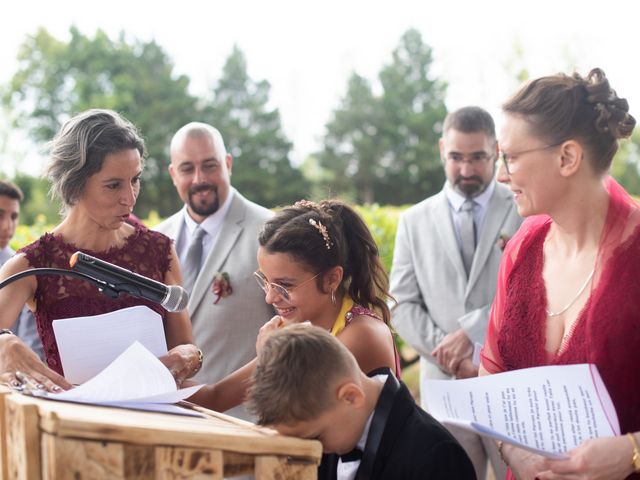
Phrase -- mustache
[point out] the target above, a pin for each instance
(460, 178)
(203, 187)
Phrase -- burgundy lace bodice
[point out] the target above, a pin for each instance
(145, 252)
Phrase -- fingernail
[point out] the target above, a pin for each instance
(56, 388)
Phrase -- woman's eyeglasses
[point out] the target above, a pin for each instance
(504, 157)
(284, 293)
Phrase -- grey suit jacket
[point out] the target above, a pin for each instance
(428, 278)
(227, 331)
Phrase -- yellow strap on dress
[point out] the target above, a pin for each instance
(341, 321)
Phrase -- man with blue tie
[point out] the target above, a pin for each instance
(445, 264)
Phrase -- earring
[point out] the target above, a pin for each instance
(333, 296)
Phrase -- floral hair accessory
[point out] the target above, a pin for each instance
(221, 286)
(323, 231)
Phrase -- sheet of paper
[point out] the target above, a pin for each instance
(135, 376)
(88, 344)
(548, 410)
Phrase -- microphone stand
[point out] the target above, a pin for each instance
(104, 287)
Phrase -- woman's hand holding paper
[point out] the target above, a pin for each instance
(183, 361)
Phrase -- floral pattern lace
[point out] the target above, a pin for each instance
(57, 296)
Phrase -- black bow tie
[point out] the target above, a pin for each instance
(352, 456)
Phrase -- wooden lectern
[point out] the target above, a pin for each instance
(45, 439)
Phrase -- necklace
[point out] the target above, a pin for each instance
(555, 314)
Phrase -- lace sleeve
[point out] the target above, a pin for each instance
(490, 356)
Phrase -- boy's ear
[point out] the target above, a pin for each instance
(351, 394)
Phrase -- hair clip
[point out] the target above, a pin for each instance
(323, 231)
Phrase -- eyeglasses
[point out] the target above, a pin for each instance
(472, 159)
(504, 157)
(284, 293)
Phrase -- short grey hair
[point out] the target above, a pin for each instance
(199, 130)
(78, 150)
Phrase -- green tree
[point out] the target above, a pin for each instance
(413, 104)
(36, 207)
(253, 135)
(353, 151)
(626, 163)
(384, 148)
(57, 79)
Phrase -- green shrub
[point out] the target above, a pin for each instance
(383, 223)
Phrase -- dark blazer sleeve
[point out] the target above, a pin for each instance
(416, 446)
(445, 460)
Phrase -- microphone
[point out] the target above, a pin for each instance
(172, 297)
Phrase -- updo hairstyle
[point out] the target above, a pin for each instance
(561, 107)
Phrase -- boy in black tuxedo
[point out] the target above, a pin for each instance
(307, 384)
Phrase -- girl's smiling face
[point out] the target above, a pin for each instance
(306, 300)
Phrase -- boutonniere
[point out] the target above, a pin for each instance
(221, 286)
(502, 240)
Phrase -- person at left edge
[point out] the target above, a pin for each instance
(95, 167)
(10, 198)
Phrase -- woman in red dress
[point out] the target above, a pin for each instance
(568, 289)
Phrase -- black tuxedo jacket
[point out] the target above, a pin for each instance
(412, 444)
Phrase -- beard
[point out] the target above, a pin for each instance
(469, 186)
(206, 208)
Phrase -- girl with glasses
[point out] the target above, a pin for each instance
(319, 263)
(568, 289)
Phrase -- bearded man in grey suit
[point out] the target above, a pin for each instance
(216, 236)
(445, 264)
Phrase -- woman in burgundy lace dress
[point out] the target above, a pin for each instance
(95, 167)
(568, 288)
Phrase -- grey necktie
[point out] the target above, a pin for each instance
(467, 234)
(193, 259)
